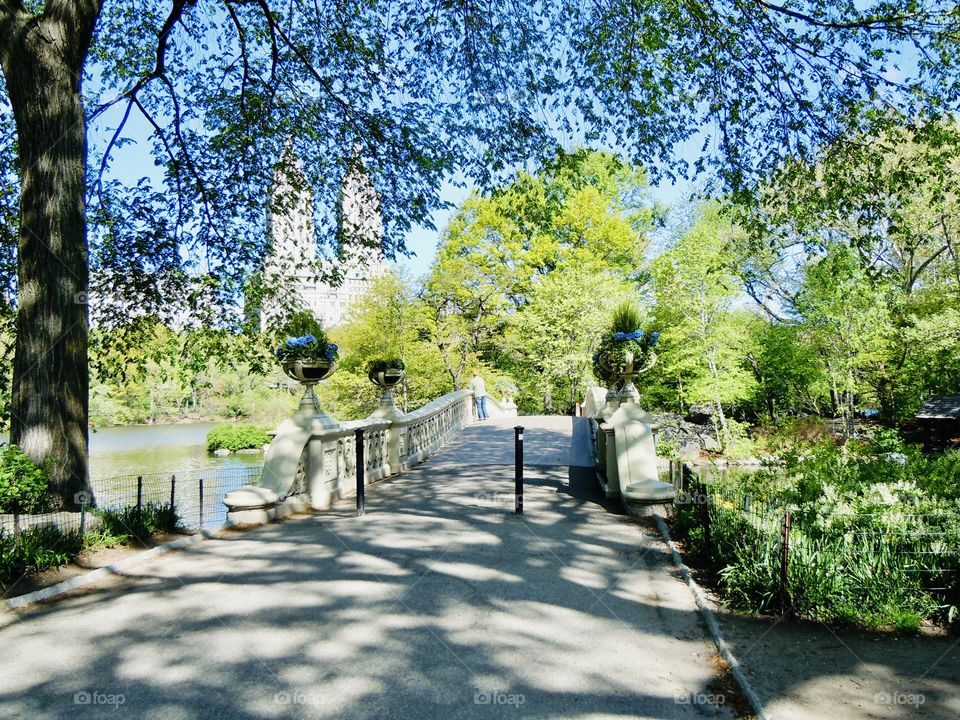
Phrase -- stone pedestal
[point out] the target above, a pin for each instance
(631, 459)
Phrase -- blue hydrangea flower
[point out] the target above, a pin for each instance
(654, 338)
(308, 340)
(331, 351)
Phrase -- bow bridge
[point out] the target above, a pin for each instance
(439, 602)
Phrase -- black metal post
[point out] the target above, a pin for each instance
(139, 498)
(201, 503)
(518, 469)
(173, 503)
(361, 500)
(785, 567)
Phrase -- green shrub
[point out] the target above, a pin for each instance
(384, 364)
(35, 550)
(42, 548)
(236, 437)
(24, 487)
(127, 523)
(626, 318)
(880, 556)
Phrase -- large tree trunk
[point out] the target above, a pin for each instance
(43, 62)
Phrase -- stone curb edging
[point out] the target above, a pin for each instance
(711, 621)
(95, 576)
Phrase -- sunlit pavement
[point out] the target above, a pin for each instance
(439, 603)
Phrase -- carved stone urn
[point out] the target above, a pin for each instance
(308, 372)
(626, 365)
(386, 379)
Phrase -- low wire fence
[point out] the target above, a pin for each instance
(196, 496)
(892, 569)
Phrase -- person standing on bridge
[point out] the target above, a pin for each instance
(479, 395)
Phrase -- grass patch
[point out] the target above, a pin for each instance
(128, 524)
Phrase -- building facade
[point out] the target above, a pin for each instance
(291, 267)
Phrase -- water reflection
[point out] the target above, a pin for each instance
(157, 449)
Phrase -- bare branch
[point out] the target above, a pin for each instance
(864, 23)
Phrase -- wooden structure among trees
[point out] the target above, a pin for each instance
(941, 414)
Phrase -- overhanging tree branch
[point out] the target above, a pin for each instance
(890, 22)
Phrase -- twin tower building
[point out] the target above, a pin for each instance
(292, 271)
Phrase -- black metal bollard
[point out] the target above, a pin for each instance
(173, 493)
(518, 469)
(201, 504)
(139, 498)
(361, 500)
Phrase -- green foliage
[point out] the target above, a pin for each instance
(236, 437)
(383, 364)
(626, 319)
(34, 550)
(191, 375)
(549, 343)
(872, 541)
(305, 339)
(47, 546)
(24, 487)
(389, 322)
(302, 323)
(702, 353)
(129, 524)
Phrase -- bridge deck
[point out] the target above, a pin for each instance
(439, 603)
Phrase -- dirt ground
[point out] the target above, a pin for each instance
(805, 670)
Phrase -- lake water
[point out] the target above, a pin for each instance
(137, 449)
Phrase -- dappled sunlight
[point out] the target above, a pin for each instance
(436, 600)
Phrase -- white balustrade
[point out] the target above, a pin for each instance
(325, 456)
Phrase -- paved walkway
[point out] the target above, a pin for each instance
(439, 603)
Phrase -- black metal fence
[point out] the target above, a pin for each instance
(196, 495)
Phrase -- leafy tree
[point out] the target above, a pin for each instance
(847, 316)
(789, 371)
(583, 212)
(552, 338)
(583, 209)
(385, 322)
(422, 89)
(703, 344)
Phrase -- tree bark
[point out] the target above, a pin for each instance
(42, 58)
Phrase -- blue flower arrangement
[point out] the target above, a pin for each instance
(306, 341)
(624, 337)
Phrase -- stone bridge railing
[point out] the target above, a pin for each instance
(312, 459)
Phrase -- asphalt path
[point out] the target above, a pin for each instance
(440, 602)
